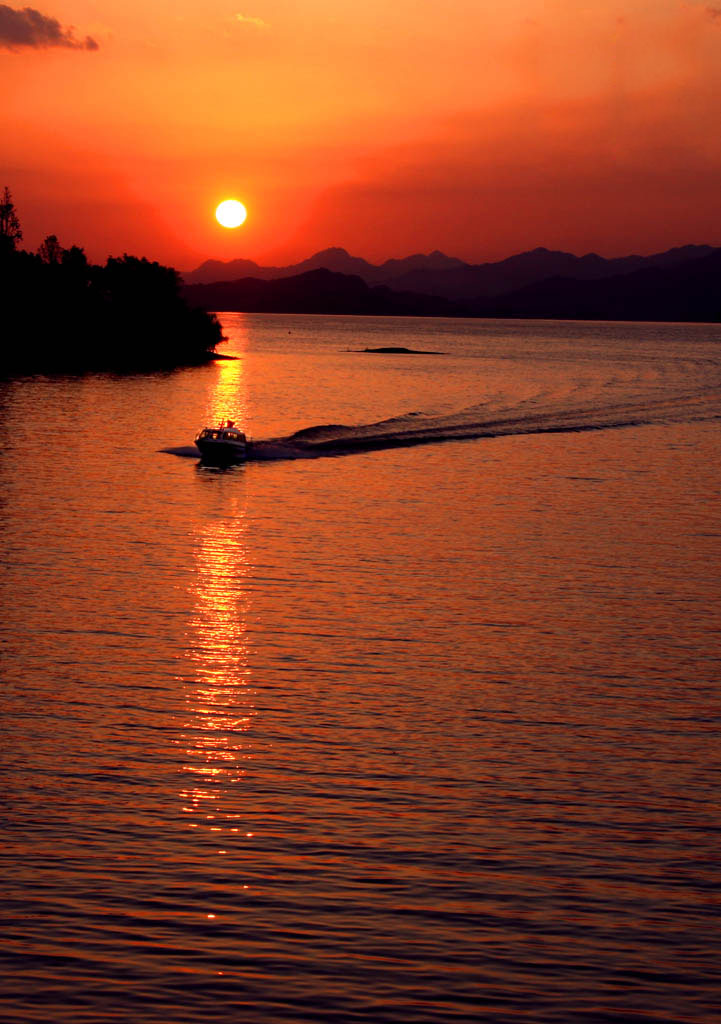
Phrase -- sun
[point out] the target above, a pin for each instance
(230, 213)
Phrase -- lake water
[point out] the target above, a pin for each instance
(413, 718)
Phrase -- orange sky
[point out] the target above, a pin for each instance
(387, 128)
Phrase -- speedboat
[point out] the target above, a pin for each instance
(222, 444)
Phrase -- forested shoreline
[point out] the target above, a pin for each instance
(61, 313)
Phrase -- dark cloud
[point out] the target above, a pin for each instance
(29, 27)
(714, 12)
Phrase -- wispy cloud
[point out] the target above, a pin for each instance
(714, 13)
(30, 28)
(255, 22)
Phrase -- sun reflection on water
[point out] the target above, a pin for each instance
(228, 397)
(219, 696)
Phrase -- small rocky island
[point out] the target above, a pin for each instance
(61, 313)
(401, 350)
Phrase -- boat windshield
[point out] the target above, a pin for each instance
(221, 434)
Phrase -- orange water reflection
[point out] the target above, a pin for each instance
(219, 696)
(228, 397)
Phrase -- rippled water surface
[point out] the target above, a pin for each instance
(412, 718)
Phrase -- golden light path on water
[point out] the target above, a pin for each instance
(219, 698)
(228, 398)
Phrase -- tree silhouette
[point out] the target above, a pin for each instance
(50, 251)
(10, 232)
(61, 313)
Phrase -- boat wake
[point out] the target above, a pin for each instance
(486, 420)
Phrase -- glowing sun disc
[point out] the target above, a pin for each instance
(230, 213)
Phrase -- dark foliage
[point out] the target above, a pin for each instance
(10, 233)
(60, 313)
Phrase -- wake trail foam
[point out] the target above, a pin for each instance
(475, 423)
(537, 415)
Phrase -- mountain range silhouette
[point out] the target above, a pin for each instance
(680, 284)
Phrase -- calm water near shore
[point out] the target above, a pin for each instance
(413, 718)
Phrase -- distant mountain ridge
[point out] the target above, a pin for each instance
(689, 291)
(681, 284)
(335, 259)
(315, 291)
(449, 278)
